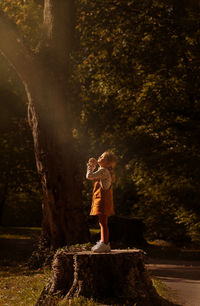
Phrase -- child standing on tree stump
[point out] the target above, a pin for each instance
(102, 199)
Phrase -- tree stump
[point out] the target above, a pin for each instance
(126, 231)
(118, 277)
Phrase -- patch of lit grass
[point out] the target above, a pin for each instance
(8, 232)
(164, 291)
(20, 286)
(12, 236)
(166, 250)
(79, 301)
(94, 230)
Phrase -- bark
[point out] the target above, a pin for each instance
(57, 164)
(45, 79)
(119, 277)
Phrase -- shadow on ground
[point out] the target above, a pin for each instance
(16, 251)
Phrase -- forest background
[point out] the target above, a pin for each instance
(137, 73)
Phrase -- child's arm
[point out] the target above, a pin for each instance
(97, 175)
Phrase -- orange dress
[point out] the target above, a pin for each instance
(102, 200)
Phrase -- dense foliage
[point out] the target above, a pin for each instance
(139, 73)
(27, 15)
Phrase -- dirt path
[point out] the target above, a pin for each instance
(183, 277)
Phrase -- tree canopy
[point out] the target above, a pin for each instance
(139, 72)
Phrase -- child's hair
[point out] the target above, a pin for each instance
(112, 159)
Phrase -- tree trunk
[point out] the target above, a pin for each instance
(46, 84)
(118, 277)
(4, 191)
(58, 167)
(126, 232)
(51, 123)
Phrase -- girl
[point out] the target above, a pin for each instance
(102, 199)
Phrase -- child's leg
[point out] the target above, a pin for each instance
(103, 222)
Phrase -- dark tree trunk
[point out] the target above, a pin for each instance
(58, 167)
(56, 157)
(116, 278)
(46, 85)
(4, 191)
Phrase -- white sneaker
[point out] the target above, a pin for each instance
(101, 247)
(96, 245)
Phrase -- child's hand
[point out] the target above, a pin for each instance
(92, 161)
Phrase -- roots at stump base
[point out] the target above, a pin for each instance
(118, 277)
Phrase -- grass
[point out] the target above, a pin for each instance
(165, 250)
(94, 231)
(9, 232)
(17, 244)
(20, 286)
(80, 301)
(164, 291)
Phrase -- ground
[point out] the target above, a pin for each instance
(19, 285)
(183, 277)
(178, 268)
(176, 279)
